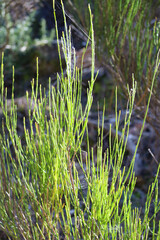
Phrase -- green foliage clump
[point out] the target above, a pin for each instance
(124, 39)
(40, 189)
(18, 36)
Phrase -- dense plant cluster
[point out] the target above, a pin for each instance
(124, 38)
(41, 193)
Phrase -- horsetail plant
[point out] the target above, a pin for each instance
(41, 195)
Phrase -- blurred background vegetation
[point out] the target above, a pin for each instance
(127, 38)
(24, 35)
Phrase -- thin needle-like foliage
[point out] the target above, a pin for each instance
(41, 195)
